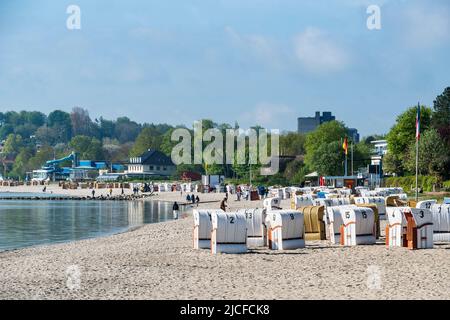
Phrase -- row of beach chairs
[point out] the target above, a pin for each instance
(348, 225)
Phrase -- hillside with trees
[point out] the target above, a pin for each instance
(30, 138)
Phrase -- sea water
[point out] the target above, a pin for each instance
(31, 223)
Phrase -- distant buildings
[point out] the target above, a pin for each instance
(376, 172)
(151, 163)
(353, 133)
(308, 124)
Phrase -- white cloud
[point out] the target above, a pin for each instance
(426, 26)
(269, 115)
(318, 53)
(255, 46)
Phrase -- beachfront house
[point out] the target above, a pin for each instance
(151, 163)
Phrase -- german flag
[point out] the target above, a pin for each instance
(345, 145)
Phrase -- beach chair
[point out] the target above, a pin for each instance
(333, 222)
(298, 201)
(256, 229)
(441, 221)
(358, 226)
(426, 204)
(202, 228)
(409, 227)
(314, 217)
(229, 232)
(374, 208)
(395, 228)
(285, 230)
(273, 203)
(378, 201)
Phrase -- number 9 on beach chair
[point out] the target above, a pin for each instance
(273, 203)
(286, 230)
(229, 232)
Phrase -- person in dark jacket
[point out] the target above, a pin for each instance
(223, 205)
(197, 200)
(175, 210)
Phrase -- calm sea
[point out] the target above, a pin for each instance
(30, 223)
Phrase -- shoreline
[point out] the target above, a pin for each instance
(156, 261)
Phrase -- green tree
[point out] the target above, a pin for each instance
(62, 125)
(44, 154)
(403, 133)
(292, 144)
(432, 154)
(392, 164)
(441, 121)
(126, 130)
(318, 140)
(328, 159)
(149, 138)
(441, 106)
(13, 144)
(20, 166)
(292, 170)
(5, 130)
(87, 148)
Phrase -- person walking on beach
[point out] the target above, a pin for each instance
(197, 200)
(193, 199)
(123, 191)
(223, 205)
(175, 210)
(93, 193)
(110, 192)
(188, 198)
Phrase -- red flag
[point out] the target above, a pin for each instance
(345, 145)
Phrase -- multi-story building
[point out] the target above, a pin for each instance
(309, 124)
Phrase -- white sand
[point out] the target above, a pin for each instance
(157, 262)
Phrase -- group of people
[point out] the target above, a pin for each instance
(193, 199)
(110, 192)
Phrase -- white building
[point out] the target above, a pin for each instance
(152, 163)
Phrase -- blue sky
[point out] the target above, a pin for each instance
(252, 61)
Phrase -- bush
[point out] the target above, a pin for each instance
(446, 185)
(408, 183)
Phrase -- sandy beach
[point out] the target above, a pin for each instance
(157, 261)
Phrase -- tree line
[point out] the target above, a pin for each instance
(434, 145)
(30, 138)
